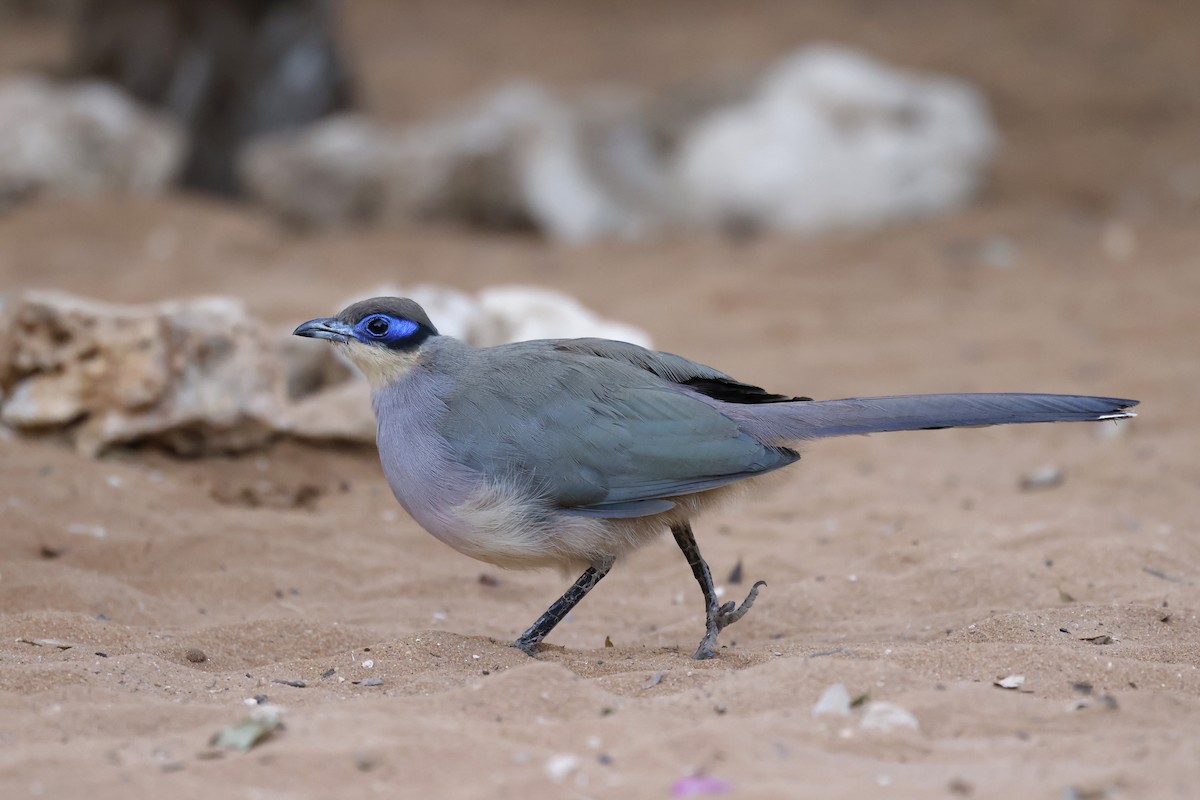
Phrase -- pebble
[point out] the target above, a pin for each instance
(834, 700)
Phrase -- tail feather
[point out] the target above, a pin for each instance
(819, 419)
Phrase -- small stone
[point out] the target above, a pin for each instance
(195, 655)
(887, 717)
(1010, 682)
(960, 786)
(1042, 478)
(1103, 638)
(560, 766)
(834, 700)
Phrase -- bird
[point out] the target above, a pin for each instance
(571, 453)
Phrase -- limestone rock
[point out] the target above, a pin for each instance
(886, 717)
(330, 173)
(196, 377)
(338, 413)
(827, 138)
(201, 376)
(833, 138)
(520, 313)
(516, 158)
(80, 139)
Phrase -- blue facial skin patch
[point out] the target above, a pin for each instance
(385, 329)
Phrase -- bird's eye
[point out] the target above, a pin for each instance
(378, 326)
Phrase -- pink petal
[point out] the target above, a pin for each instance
(699, 786)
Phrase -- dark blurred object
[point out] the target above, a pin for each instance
(226, 70)
(33, 8)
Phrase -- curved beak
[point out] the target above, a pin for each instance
(325, 328)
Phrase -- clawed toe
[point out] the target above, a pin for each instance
(722, 617)
(731, 612)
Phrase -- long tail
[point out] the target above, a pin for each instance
(818, 419)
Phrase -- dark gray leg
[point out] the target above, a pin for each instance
(531, 638)
(718, 617)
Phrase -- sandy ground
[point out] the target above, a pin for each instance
(909, 567)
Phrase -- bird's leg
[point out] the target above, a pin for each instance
(718, 616)
(530, 639)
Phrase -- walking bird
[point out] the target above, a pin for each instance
(571, 453)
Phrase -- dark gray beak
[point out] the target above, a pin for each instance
(326, 328)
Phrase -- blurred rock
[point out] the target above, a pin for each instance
(520, 313)
(195, 377)
(80, 139)
(833, 138)
(887, 717)
(338, 413)
(834, 700)
(512, 313)
(590, 169)
(1045, 477)
(199, 377)
(827, 138)
(517, 158)
(334, 172)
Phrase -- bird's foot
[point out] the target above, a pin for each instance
(719, 617)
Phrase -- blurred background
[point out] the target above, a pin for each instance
(826, 198)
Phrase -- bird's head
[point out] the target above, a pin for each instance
(382, 336)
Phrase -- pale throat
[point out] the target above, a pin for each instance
(380, 365)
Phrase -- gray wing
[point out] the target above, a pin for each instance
(596, 435)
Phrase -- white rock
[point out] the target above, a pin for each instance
(202, 376)
(516, 157)
(590, 170)
(827, 138)
(522, 313)
(508, 313)
(340, 413)
(455, 313)
(833, 138)
(834, 700)
(1048, 476)
(328, 173)
(559, 767)
(332, 402)
(80, 139)
(887, 717)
